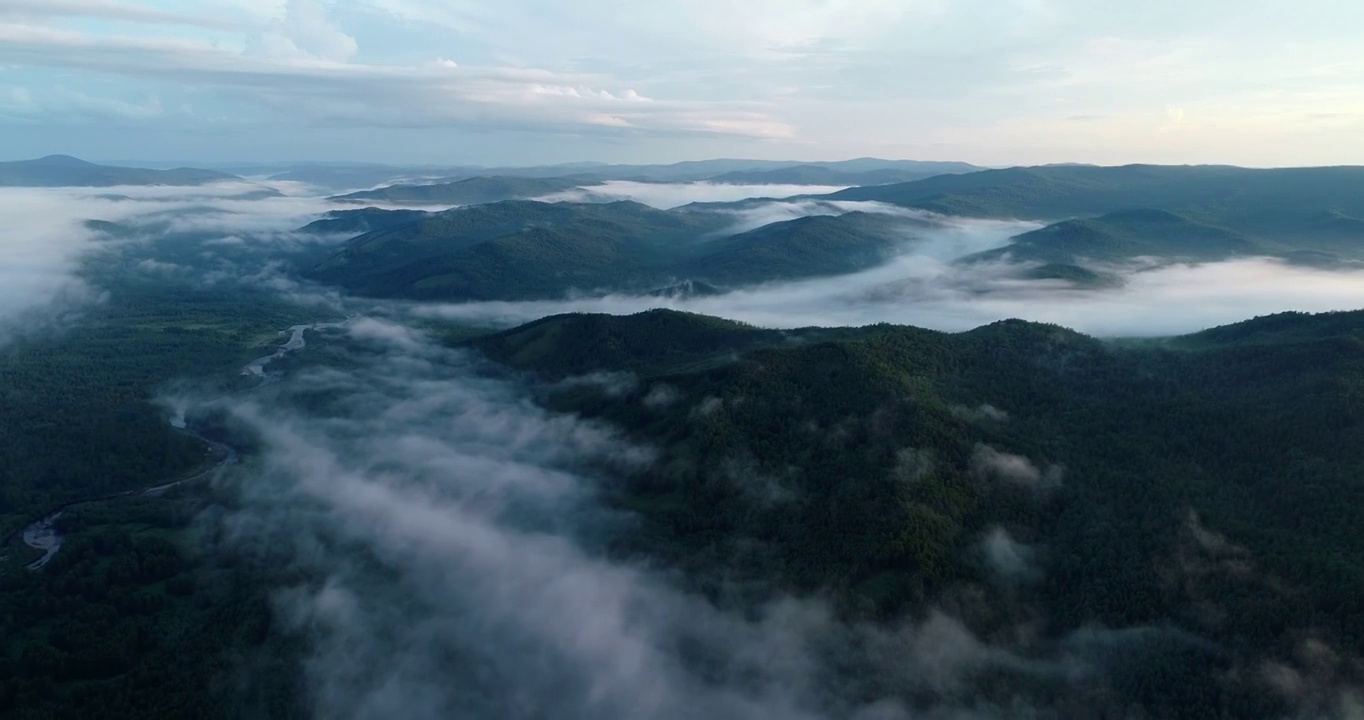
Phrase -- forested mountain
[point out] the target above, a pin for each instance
(361, 221)
(720, 170)
(1124, 235)
(1311, 207)
(824, 175)
(522, 249)
(1128, 524)
(471, 191)
(517, 249)
(1101, 528)
(714, 170)
(63, 170)
(1117, 214)
(130, 620)
(812, 246)
(1196, 497)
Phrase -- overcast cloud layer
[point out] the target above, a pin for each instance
(532, 81)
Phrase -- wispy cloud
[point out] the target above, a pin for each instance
(109, 10)
(441, 533)
(297, 67)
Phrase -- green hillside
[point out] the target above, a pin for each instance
(517, 249)
(522, 249)
(1207, 486)
(471, 191)
(812, 246)
(361, 221)
(525, 250)
(1320, 207)
(1125, 235)
(824, 175)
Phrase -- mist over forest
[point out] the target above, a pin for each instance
(800, 360)
(899, 484)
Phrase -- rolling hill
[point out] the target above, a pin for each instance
(1106, 215)
(471, 191)
(1121, 236)
(814, 246)
(518, 250)
(66, 171)
(1314, 208)
(824, 175)
(360, 221)
(1019, 475)
(353, 175)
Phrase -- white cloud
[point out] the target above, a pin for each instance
(108, 10)
(310, 29)
(1011, 560)
(985, 80)
(919, 289)
(296, 70)
(41, 242)
(994, 464)
(661, 396)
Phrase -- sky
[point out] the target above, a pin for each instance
(993, 82)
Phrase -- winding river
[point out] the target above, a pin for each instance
(296, 341)
(42, 533)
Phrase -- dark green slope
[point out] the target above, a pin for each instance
(573, 344)
(523, 250)
(1037, 192)
(517, 250)
(358, 222)
(62, 170)
(471, 191)
(1287, 327)
(1122, 236)
(822, 175)
(1208, 488)
(537, 262)
(812, 246)
(1312, 206)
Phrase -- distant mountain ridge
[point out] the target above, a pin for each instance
(1124, 235)
(1323, 205)
(471, 191)
(1191, 214)
(519, 249)
(825, 175)
(67, 171)
(846, 172)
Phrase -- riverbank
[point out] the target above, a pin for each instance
(42, 532)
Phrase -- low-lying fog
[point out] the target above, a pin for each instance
(234, 232)
(441, 531)
(924, 291)
(443, 538)
(174, 232)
